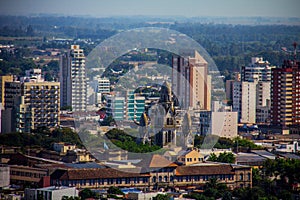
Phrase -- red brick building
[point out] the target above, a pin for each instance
(285, 94)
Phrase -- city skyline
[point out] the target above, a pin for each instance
(191, 8)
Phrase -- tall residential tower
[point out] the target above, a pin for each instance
(285, 94)
(190, 81)
(73, 79)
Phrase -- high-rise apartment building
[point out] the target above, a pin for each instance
(73, 79)
(257, 70)
(39, 106)
(285, 94)
(190, 81)
(31, 104)
(244, 101)
(131, 107)
(116, 107)
(263, 101)
(103, 86)
(3, 79)
(135, 105)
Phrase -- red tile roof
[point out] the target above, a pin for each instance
(204, 170)
(77, 174)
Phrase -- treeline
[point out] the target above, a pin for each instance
(20, 31)
(13, 61)
(42, 137)
(130, 143)
(231, 46)
(225, 143)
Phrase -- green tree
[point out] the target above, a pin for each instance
(86, 193)
(226, 157)
(227, 196)
(215, 189)
(161, 197)
(114, 190)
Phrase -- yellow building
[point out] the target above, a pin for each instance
(33, 104)
(3, 79)
(63, 148)
(190, 157)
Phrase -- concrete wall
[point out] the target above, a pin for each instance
(4, 176)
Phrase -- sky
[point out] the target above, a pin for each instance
(187, 8)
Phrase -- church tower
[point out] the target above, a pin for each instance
(166, 137)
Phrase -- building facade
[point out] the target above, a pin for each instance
(39, 106)
(190, 81)
(135, 105)
(3, 79)
(263, 101)
(285, 94)
(174, 176)
(50, 193)
(130, 107)
(244, 101)
(5, 175)
(222, 124)
(116, 107)
(73, 79)
(257, 70)
(31, 104)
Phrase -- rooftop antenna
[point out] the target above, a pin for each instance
(294, 52)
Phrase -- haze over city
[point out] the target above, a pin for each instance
(191, 8)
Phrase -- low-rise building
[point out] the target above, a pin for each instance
(50, 193)
(159, 172)
(190, 157)
(287, 147)
(78, 155)
(24, 174)
(250, 159)
(62, 147)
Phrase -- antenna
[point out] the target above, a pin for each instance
(294, 52)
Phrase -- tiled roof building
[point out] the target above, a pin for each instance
(158, 176)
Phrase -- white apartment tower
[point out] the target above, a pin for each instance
(259, 71)
(73, 79)
(244, 101)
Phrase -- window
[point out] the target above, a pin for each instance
(241, 177)
(154, 179)
(119, 181)
(179, 179)
(249, 176)
(165, 178)
(145, 180)
(171, 178)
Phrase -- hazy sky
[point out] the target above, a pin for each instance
(188, 8)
